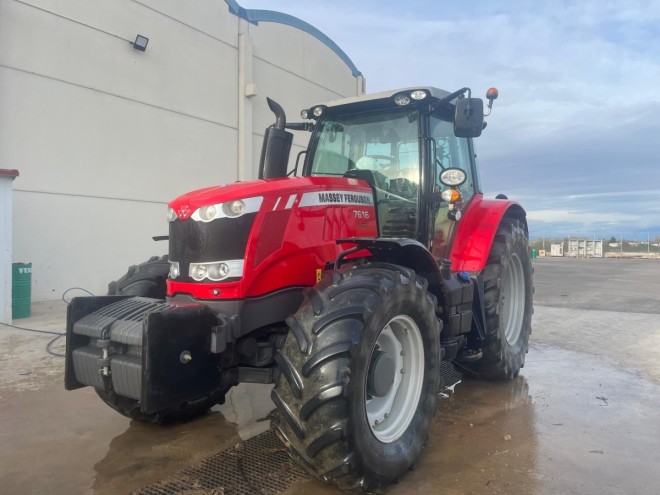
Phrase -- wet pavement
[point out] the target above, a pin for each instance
(581, 418)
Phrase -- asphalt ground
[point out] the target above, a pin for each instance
(606, 284)
(580, 419)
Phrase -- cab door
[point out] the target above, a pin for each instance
(448, 151)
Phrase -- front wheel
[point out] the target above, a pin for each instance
(358, 375)
(147, 279)
(131, 408)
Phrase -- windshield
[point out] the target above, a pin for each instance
(385, 143)
(383, 149)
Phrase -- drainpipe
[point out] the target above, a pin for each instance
(246, 91)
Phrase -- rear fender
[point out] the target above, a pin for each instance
(477, 229)
(455, 295)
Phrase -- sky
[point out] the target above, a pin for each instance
(575, 133)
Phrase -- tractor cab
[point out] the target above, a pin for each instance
(401, 142)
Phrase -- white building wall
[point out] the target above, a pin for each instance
(104, 135)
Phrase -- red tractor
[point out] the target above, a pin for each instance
(344, 283)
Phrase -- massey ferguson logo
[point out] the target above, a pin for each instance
(183, 212)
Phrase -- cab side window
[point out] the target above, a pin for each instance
(451, 151)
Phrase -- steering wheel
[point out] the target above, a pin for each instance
(389, 158)
(372, 162)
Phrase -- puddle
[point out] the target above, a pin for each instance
(569, 424)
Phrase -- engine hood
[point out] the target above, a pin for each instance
(186, 204)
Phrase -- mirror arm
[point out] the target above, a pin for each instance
(299, 126)
(455, 94)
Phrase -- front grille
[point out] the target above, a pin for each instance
(201, 242)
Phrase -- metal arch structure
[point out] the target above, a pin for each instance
(255, 16)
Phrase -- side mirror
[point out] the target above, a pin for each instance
(469, 117)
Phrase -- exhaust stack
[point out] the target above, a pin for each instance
(277, 145)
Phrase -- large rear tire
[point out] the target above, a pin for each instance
(359, 373)
(508, 295)
(148, 280)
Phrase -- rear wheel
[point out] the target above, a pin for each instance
(148, 280)
(508, 294)
(358, 376)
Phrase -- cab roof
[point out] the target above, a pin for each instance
(382, 99)
(435, 93)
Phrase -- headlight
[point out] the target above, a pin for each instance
(234, 208)
(198, 271)
(318, 111)
(304, 114)
(418, 94)
(230, 209)
(401, 100)
(207, 213)
(174, 269)
(453, 176)
(216, 270)
(171, 215)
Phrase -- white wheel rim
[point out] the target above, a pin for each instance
(513, 300)
(390, 415)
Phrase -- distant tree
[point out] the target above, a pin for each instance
(612, 239)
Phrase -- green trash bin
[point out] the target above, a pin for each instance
(21, 289)
(535, 254)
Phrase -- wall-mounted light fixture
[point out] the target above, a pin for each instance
(140, 42)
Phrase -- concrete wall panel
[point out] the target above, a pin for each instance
(280, 45)
(83, 242)
(209, 16)
(65, 139)
(182, 69)
(327, 69)
(292, 91)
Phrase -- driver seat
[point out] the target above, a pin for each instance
(373, 179)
